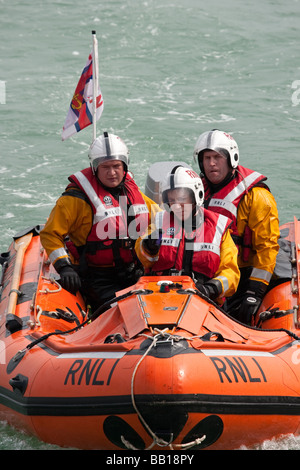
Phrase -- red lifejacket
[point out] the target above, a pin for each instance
(116, 223)
(228, 198)
(202, 246)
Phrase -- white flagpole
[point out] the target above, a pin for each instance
(95, 82)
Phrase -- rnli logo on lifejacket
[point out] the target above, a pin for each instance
(107, 200)
(171, 231)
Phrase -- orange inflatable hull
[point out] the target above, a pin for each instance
(161, 368)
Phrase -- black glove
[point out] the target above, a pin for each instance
(69, 279)
(131, 274)
(249, 302)
(211, 289)
(152, 244)
(248, 308)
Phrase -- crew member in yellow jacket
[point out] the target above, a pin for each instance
(90, 234)
(241, 194)
(189, 240)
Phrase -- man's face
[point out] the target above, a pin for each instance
(215, 166)
(111, 173)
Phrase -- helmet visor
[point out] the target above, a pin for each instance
(98, 160)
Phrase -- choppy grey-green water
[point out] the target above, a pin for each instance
(169, 70)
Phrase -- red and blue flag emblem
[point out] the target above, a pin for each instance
(80, 114)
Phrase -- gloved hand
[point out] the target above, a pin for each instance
(69, 279)
(248, 308)
(249, 302)
(211, 289)
(131, 274)
(153, 242)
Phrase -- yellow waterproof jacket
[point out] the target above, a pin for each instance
(72, 216)
(258, 210)
(228, 273)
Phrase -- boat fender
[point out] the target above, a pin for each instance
(13, 323)
(19, 383)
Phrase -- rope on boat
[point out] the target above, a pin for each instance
(156, 440)
(39, 313)
(49, 291)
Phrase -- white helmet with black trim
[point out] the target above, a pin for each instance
(108, 147)
(183, 177)
(220, 142)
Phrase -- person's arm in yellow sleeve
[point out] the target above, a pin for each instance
(70, 216)
(259, 211)
(153, 207)
(228, 273)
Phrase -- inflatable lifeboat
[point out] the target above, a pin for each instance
(158, 367)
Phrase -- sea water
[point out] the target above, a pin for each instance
(168, 71)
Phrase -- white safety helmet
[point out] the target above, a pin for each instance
(183, 177)
(220, 142)
(108, 147)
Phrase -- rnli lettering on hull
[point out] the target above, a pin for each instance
(231, 366)
(91, 372)
(235, 366)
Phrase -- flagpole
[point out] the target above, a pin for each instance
(95, 82)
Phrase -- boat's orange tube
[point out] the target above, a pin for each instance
(160, 369)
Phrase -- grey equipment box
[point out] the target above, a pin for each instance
(156, 174)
